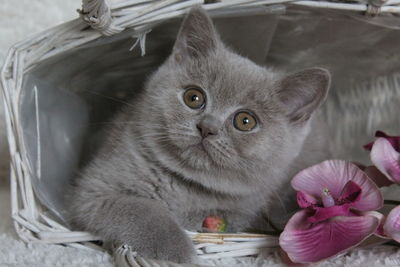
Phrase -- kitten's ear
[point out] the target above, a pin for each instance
(197, 36)
(303, 92)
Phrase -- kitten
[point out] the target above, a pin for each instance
(212, 134)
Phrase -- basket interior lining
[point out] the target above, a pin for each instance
(78, 91)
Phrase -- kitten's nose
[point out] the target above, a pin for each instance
(208, 126)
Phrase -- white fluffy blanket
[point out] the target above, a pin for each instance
(20, 18)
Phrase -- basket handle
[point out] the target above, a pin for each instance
(97, 14)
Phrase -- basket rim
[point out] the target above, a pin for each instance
(30, 223)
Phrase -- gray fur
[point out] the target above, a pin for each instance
(152, 179)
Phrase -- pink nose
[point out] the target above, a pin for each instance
(208, 126)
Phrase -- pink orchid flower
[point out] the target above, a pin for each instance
(391, 226)
(337, 198)
(385, 154)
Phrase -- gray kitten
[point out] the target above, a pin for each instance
(212, 134)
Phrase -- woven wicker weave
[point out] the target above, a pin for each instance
(31, 219)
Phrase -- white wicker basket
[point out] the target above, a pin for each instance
(31, 218)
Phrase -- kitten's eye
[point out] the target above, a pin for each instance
(244, 121)
(194, 98)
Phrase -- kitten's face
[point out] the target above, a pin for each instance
(211, 112)
(215, 113)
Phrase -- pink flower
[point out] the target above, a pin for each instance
(385, 154)
(391, 227)
(336, 197)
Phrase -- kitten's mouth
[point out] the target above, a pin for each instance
(203, 155)
(200, 150)
(202, 147)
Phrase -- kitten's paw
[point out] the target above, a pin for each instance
(179, 251)
(122, 253)
(169, 246)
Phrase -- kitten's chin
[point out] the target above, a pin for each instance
(197, 157)
(195, 164)
(205, 155)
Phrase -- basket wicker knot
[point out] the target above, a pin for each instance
(374, 7)
(97, 14)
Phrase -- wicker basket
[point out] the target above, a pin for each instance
(364, 100)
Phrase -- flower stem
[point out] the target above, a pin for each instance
(391, 202)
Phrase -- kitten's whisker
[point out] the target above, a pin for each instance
(183, 134)
(225, 146)
(150, 135)
(219, 160)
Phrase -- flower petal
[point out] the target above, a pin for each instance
(351, 193)
(305, 200)
(377, 134)
(386, 159)
(305, 242)
(322, 214)
(288, 263)
(381, 134)
(334, 175)
(369, 146)
(394, 140)
(381, 218)
(392, 224)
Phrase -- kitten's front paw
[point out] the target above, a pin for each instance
(125, 256)
(172, 246)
